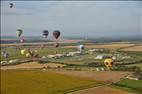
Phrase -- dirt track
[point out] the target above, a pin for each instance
(101, 90)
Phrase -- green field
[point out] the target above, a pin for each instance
(82, 60)
(137, 65)
(40, 82)
(133, 85)
(42, 52)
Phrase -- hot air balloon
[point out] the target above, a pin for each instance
(19, 32)
(11, 5)
(81, 47)
(109, 63)
(56, 34)
(45, 33)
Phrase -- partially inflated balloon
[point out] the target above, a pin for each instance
(56, 34)
(19, 32)
(27, 55)
(45, 33)
(23, 51)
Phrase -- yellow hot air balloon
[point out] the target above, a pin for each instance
(108, 63)
(23, 51)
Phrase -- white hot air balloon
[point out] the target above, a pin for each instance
(81, 47)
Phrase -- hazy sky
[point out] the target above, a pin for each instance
(73, 18)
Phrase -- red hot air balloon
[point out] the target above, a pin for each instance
(45, 33)
(56, 34)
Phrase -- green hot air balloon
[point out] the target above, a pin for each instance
(19, 32)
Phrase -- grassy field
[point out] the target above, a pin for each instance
(82, 60)
(42, 52)
(130, 85)
(138, 65)
(135, 48)
(40, 82)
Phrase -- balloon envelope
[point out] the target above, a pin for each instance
(56, 34)
(45, 33)
(23, 51)
(19, 32)
(81, 47)
(11, 5)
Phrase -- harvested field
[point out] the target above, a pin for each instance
(106, 76)
(109, 46)
(32, 65)
(135, 48)
(102, 90)
(40, 82)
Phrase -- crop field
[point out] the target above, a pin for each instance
(104, 76)
(40, 82)
(138, 65)
(79, 71)
(14, 54)
(135, 48)
(83, 59)
(131, 84)
(33, 65)
(112, 46)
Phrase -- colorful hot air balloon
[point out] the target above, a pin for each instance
(11, 5)
(19, 32)
(45, 33)
(56, 34)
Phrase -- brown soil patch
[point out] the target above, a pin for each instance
(109, 46)
(33, 65)
(135, 48)
(102, 90)
(105, 76)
